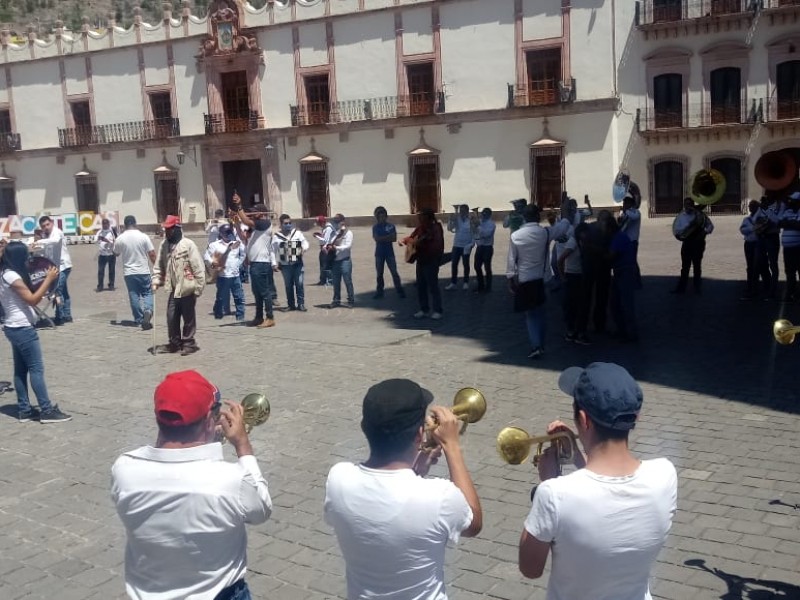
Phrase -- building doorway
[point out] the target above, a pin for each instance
(316, 196)
(168, 200)
(547, 176)
(243, 177)
(425, 187)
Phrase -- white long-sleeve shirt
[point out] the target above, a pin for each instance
(343, 246)
(234, 260)
(529, 249)
(57, 237)
(184, 511)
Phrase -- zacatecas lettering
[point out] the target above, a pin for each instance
(83, 223)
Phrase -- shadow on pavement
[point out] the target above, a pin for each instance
(713, 344)
(747, 588)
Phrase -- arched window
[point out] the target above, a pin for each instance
(667, 185)
(788, 89)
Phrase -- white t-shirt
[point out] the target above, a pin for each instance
(392, 528)
(572, 265)
(133, 247)
(606, 531)
(18, 312)
(259, 247)
(57, 237)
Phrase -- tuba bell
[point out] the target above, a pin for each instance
(776, 170)
(707, 186)
(514, 446)
(256, 412)
(624, 186)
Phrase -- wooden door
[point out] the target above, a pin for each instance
(425, 188)
(316, 197)
(167, 198)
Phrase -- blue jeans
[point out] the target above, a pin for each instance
(260, 277)
(63, 308)
(140, 295)
(535, 321)
(238, 591)
(28, 361)
(343, 269)
(388, 261)
(461, 254)
(227, 287)
(293, 280)
(102, 261)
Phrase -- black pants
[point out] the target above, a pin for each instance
(771, 248)
(102, 261)
(483, 261)
(576, 304)
(791, 264)
(598, 286)
(692, 259)
(757, 267)
(462, 255)
(325, 267)
(428, 282)
(181, 309)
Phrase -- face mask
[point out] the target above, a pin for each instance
(287, 227)
(262, 224)
(174, 235)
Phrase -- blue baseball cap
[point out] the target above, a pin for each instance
(606, 391)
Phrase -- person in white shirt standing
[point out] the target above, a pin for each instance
(630, 221)
(484, 251)
(526, 268)
(136, 250)
(106, 257)
(463, 241)
(342, 267)
(183, 506)
(53, 235)
(605, 523)
(576, 295)
(289, 244)
(393, 524)
(225, 257)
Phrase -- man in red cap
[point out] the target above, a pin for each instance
(180, 269)
(183, 506)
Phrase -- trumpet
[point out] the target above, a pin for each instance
(514, 446)
(784, 331)
(469, 406)
(256, 412)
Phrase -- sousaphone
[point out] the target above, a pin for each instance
(707, 187)
(624, 186)
(776, 170)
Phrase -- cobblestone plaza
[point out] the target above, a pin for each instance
(720, 401)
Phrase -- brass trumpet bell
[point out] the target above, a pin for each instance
(256, 410)
(784, 331)
(469, 405)
(514, 445)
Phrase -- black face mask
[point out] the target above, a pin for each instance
(262, 224)
(174, 235)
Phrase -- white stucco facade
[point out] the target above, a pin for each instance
(349, 89)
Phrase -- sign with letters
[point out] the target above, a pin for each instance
(83, 223)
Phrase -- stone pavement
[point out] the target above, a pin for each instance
(721, 402)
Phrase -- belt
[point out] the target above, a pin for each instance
(231, 591)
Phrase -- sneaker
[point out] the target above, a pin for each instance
(570, 337)
(450, 286)
(267, 323)
(54, 415)
(420, 314)
(536, 353)
(146, 320)
(436, 316)
(465, 287)
(302, 308)
(583, 340)
(187, 350)
(29, 415)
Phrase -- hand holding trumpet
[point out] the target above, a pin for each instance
(548, 463)
(231, 422)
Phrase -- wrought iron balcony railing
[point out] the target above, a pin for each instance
(706, 114)
(781, 3)
(652, 12)
(783, 110)
(232, 123)
(529, 95)
(135, 131)
(10, 142)
(348, 111)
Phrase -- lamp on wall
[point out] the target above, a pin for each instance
(185, 151)
(269, 148)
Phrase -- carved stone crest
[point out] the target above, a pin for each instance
(225, 35)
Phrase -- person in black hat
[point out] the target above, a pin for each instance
(609, 519)
(515, 219)
(392, 524)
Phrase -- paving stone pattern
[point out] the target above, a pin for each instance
(721, 402)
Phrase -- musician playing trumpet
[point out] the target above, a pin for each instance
(392, 523)
(691, 227)
(605, 523)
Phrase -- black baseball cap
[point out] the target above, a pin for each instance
(394, 406)
(606, 391)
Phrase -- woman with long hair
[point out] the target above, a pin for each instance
(18, 302)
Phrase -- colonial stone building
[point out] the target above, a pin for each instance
(324, 106)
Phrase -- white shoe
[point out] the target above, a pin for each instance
(436, 316)
(420, 314)
(465, 287)
(450, 286)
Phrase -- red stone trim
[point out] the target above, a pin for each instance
(563, 42)
(9, 92)
(331, 62)
(402, 88)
